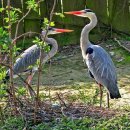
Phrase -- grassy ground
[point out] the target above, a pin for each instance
(67, 72)
(67, 75)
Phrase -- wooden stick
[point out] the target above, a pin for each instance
(119, 43)
(61, 99)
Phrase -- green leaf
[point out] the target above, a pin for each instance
(21, 90)
(2, 9)
(52, 24)
(60, 14)
(5, 47)
(31, 4)
(38, 61)
(6, 20)
(7, 27)
(46, 47)
(17, 9)
(46, 21)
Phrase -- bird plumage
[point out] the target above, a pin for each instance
(98, 60)
(100, 65)
(103, 70)
(26, 59)
(30, 56)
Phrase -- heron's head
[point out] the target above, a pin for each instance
(82, 13)
(55, 31)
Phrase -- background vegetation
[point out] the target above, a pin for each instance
(111, 15)
(68, 98)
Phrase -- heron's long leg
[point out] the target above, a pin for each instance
(101, 93)
(108, 100)
(28, 80)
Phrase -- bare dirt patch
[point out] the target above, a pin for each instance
(67, 71)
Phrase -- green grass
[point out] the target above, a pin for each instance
(118, 53)
(87, 123)
(80, 88)
(12, 123)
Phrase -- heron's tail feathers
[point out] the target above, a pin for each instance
(116, 96)
(113, 90)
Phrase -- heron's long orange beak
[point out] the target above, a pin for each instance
(63, 30)
(74, 12)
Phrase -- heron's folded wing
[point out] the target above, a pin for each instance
(102, 65)
(26, 59)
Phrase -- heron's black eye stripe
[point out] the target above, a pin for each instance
(89, 51)
(50, 28)
(88, 10)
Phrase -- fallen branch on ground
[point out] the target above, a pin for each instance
(119, 43)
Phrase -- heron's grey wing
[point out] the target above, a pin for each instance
(102, 68)
(26, 59)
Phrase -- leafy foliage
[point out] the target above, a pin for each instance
(2, 86)
(46, 23)
(60, 14)
(14, 16)
(4, 38)
(21, 91)
(13, 123)
(31, 4)
(42, 44)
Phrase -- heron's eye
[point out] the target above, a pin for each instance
(50, 28)
(88, 10)
(89, 51)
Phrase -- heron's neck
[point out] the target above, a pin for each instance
(84, 40)
(53, 50)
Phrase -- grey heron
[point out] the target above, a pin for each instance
(99, 62)
(30, 56)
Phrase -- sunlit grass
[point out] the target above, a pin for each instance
(69, 77)
(115, 123)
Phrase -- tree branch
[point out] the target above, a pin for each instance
(11, 58)
(25, 34)
(17, 26)
(32, 92)
(40, 64)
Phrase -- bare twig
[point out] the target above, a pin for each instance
(17, 26)
(49, 73)
(40, 64)
(11, 59)
(119, 43)
(51, 16)
(61, 99)
(8, 91)
(25, 34)
(1, 115)
(32, 92)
